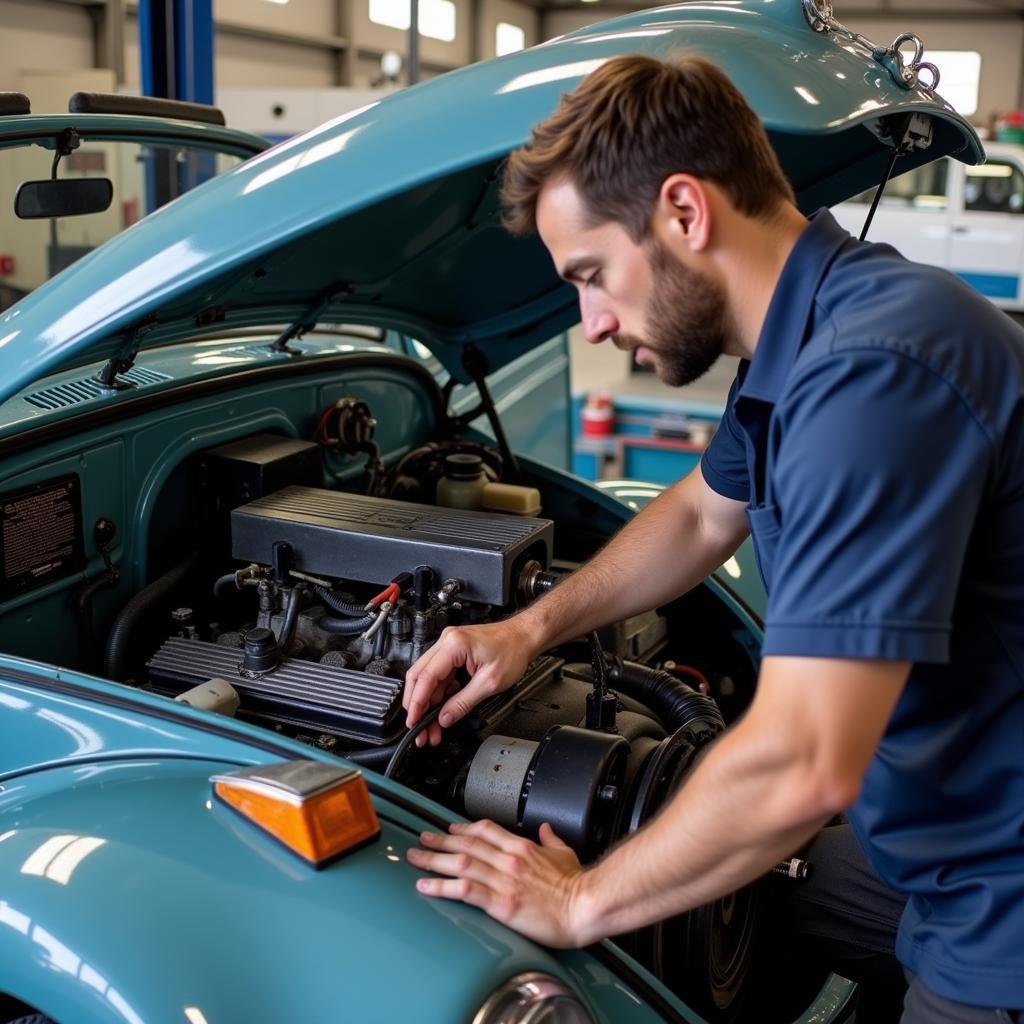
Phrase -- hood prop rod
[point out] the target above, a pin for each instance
(123, 360)
(475, 364)
(908, 132)
(309, 319)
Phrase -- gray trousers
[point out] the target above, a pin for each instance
(846, 920)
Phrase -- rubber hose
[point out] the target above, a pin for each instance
(345, 627)
(115, 662)
(222, 583)
(675, 703)
(291, 616)
(336, 604)
(374, 758)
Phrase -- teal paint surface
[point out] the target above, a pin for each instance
(335, 226)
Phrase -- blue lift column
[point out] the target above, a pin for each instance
(176, 50)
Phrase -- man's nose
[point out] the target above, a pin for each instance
(598, 323)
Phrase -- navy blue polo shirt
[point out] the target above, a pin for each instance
(878, 438)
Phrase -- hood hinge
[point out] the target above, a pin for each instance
(124, 359)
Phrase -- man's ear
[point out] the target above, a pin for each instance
(683, 212)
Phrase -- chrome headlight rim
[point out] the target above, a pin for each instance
(529, 994)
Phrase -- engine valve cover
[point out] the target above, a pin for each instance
(304, 693)
(371, 540)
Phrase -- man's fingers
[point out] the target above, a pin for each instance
(547, 837)
(464, 700)
(471, 846)
(458, 865)
(494, 835)
(474, 893)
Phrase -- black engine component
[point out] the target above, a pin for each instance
(571, 779)
(371, 539)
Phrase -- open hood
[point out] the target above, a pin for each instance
(389, 215)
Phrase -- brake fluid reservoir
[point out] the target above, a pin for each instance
(463, 483)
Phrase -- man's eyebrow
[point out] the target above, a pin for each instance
(572, 270)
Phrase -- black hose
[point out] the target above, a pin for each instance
(336, 604)
(222, 583)
(380, 639)
(375, 758)
(407, 740)
(675, 703)
(291, 616)
(345, 627)
(131, 616)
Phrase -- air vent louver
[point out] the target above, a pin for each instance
(60, 396)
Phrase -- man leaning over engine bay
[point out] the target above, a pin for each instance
(873, 444)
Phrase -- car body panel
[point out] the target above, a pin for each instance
(97, 789)
(312, 232)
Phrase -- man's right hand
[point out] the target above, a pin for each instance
(495, 655)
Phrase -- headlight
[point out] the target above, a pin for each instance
(533, 999)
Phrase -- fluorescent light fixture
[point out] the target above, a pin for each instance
(508, 38)
(436, 17)
(959, 75)
(277, 1)
(989, 171)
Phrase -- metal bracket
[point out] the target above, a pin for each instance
(905, 72)
(123, 360)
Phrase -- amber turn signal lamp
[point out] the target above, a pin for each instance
(319, 811)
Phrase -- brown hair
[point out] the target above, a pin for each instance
(631, 124)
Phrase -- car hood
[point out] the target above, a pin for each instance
(389, 215)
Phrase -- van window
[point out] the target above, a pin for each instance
(994, 187)
(923, 188)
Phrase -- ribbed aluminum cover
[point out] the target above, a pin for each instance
(372, 540)
(301, 692)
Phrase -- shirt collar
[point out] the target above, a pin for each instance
(785, 324)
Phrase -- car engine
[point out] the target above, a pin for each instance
(333, 595)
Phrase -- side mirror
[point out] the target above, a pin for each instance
(63, 197)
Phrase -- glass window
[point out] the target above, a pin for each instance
(437, 17)
(142, 176)
(995, 187)
(960, 72)
(923, 188)
(508, 38)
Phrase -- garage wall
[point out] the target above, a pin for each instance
(494, 11)
(35, 34)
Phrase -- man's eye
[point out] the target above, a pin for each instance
(593, 281)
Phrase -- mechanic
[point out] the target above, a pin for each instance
(873, 444)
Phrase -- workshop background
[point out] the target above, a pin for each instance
(280, 67)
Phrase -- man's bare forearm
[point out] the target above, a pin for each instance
(667, 549)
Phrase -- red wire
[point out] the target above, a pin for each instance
(689, 670)
(389, 593)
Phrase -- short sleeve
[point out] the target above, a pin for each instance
(724, 462)
(879, 472)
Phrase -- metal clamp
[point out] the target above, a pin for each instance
(904, 72)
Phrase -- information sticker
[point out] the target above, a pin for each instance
(41, 536)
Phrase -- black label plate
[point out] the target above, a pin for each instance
(41, 536)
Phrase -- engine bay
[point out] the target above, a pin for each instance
(303, 607)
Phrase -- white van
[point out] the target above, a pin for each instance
(969, 220)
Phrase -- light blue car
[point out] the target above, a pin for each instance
(222, 548)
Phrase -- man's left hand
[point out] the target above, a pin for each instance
(529, 887)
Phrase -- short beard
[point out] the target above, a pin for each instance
(688, 321)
